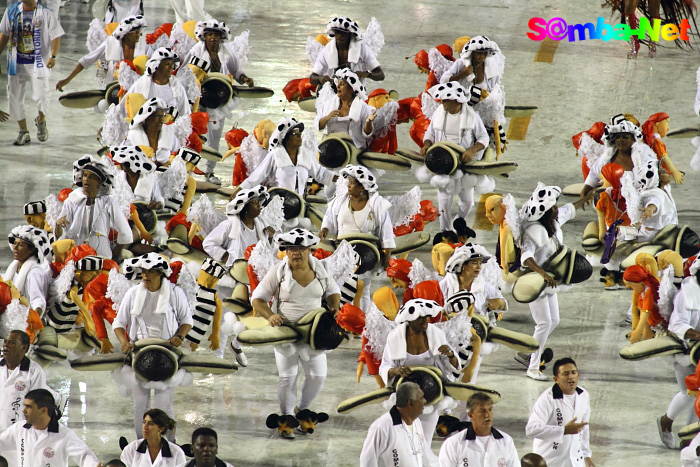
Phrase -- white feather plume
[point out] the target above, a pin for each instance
(667, 292)
(189, 81)
(117, 287)
(493, 107)
(188, 283)
(127, 76)
(632, 199)
(228, 322)
(313, 48)
(182, 127)
(512, 217)
(310, 143)
(377, 328)
(53, 210)
(96, 35)
(387, 116)
(695, 161)
(15, 317)
(590, 148)
(323, 97)
(337, 264)
(428, 105)
(205, 214)
(182, 43)
(438, 63)
(253, 153)
(595, 155)
(490, 274)
(262, 259)
(457, 330)
(341, 187)
(121, 191)
(500, 61)
(239, 48)
(115, 128)
(273, 214)
(173, 180)
(163, 41)
(419, 273)
(423, 175)
(373, 36)
(404, 207)
(63, 283)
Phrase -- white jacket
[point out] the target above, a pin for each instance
(390, 443)
(14, 385)
(462, 449)
(360, 58)
(136, 454)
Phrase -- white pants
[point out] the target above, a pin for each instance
(214, 131)
(429, 422)
(162, 399)
(682, 402)
(186, 10)
(545, 314)
(16, 85)
(466, 202)
(315, 370)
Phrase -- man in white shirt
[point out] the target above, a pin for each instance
(559, 420)
(396, 438)
(480, 444)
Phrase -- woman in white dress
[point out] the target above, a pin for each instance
(30, 250)
(154, 450)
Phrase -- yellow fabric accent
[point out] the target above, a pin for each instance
(545, 54)
(322, 39)
(507, 250)
(517, 130)
(134, 102)
(386, 301)
(440, 254)
(459, 44)
(189, 29)
(109, 29)
(140, 63)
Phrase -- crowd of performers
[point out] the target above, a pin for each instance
(131, 270)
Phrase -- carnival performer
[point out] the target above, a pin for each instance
(154, 308)
(480, 64)
(154, 448)
(296, 286)
(90, 213)
(345, 50)
(137, 174)
(657, 206)
(34, 33)
(147, 128)
(29, 270)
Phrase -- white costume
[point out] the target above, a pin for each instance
(136, 454)
(117, 10)
(466, 449)
(665, 215)
(491, 78)
(552, 410)
(173, 94)
(112, 53)
(28, 54)
(167, 142)
(390, 442)
(360, 58)
(234, 237)
(32, 281)
(15, 384)
(52, 447)
(689, 454)
(147, 188)
(353, 124)
(189, 10)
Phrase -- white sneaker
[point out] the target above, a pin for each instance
(522, 358)
(666, 436)
(211, 178)
(240, 357)
(537, 375)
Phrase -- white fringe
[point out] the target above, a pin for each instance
(117, 287)
(512, 217)
(387, 116)
(14, 318)
(162, 41)
(457, 330)
(667, 292)
(377, 328)
(253, 153)
(428, 105)
(262, 259)
(420, 273)
(127, 76)
(404, 207)
(438, 63)
(189, 81)
(115, 128)
(631, 195)
(122, 192)
(173, 180)
(182, 127)
(63, 283)
(239, 48)
(313, 48)
(205, 214)
(337, 264)
(590, 148)
(182, 43)
(324, 95)
(96, 35)
(373, 36)
(493, 107)
(53, 210)
(188, 283)
(273, 214)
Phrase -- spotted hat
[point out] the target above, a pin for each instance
(213, 268)
(189, 155)
(461, 301)
(352, 80)
(243, 197)
(693, 269)
(464, 254)
(134, 266)
(455, 92)
(622, 126)
(417, 308)
(212, 25)
(296, 237)
(541, 201)
(481, 43)
(162, 53)
(362, 175)
(35, 207)
(646, 176)
(89, 263)
(129, 24)
(97, 166)
(147, 109)
(35, 237)
(283, 127)
(132, 157)
(345, 24)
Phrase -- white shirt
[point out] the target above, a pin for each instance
(220, 240)
(377, 223)
(467, 449)
(117, 52)
(468, 137)
(353, 124)
(15, 384)
(360, 58)
(229, 62)
(666, 213)
(460, 64)
(537, 244)
(546, 425)
(686, 308)
(390, 442)
(52, 447)
(136, 454)
(122, 9)
(148, 88)
(32, 282)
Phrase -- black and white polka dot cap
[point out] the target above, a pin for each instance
(352, 80)
(461, 301)
(89, 263)
(452, 91)
(160, 54)
(92, 164)
(345, 24)
(147, 109)
(482, 43)
(296, 237)
(212, 25)
(243, 197)
(541, 201)
(133, 266)
(281, 131)
(132, 157)
(129, 24)
(464, 254)
(35, 207)
(623, 126)
(35, 237)
(646, 176)
(213, 268)
(362, 175)
(417, 308)
(189, 155)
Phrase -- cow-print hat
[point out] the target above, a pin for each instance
(243, 197)
(212, 25)
(461, 301)
(416, 308)
(89, 263)
(352, 80)
(452, 91)
(213, 268)
(284, 127)
(189, 155)
(296, 237)
(35, 237)
(162, 53)
(147, 109)
(345, 24)
(132, 157)
(97, 166)
(619, 127)
(464, 254)
(129, 24)
(482, 43)
(362, 175)
(134, 266)
(646, 176)
(35, 207)
(541, 201)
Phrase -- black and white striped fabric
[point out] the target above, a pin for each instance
(61, 315)
(459, 302)
(348, 290)
(89, 263)
(189, 155)
(213, 268)
(203, 314)
(35, 207)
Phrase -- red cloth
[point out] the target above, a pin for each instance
(692, 382)
(320, 253)
(416, 224)
(99, 305)
(584, 167)
(199, 120)
(446, 51)
(371, 361)
(427, 211)
(595, 132)
(165, 28)
(407, 295)
(5, 296)
(686, 265)
(404, 113)
(81, 251)
(421, 59)
(429, 290)
(252, 277)
(234, 137)
(613, 174)
(649, 299)
(399, 269)
(298, 89)
(181, 218)
(648, 126)
(351, 318)
(64, 193)
(175, 267)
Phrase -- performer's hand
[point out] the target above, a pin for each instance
(128, 347)
(248, 81)
(106, 346)
(154, 205)
(468, 71)
(275, 320)
(362, 74)
(573, 428)
(549, 280)
(445, 350)
(494, 303)
(4, 116)
(50, 63)
(333, 114)
(175, 340)
(372, 116)
(467, 155)
(424, 149)
(269, 230)
(61, 84)
(62, 222)
(589, 462)
(399, 371)
(648, 212)
(323, 233)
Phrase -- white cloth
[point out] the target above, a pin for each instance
(229, 62)
(472, 129)
(666, 213)
(189, 10)
(234, 237)
(32, 282)
(686, 308)
(390, 442)
(145, 86)
(490, 80)
(122, 9)
(641, 154)
(108, 215)
(546, 425)
(15, 384)
(287, 175)
(167, 142)
(34, 448)
(378, 222)
(481, 290)
(288, 357)
(136, 454)
(467, 449)
(112, 53)
(545, 313)
(535, 242)
(689, 456)
(147, 188)
(360, 58)
(359, 111)
(16, 88)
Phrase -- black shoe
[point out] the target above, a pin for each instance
(546, 357)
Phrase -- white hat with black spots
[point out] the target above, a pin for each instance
(89, 263)
(541, 201)
(452, 91)
(281, 131)
(97, 166)
(35, 207)
(147, 109)
(35, 237)
(417, 308)
(133, 266)
(129, 24)
(213, 268)
(189, 155)
(352, 80)
(623, 126)
(296, 237)
(243, 197)
(464, 254)
(160, 54)
(479, 43)
(133, 158)
(362, 175)
(646, 176)
(461, 301)
(212, 25)
(695, 266)
(345, 24)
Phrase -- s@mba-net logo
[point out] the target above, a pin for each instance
(557, 29)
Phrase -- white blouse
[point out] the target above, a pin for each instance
(136, 454)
